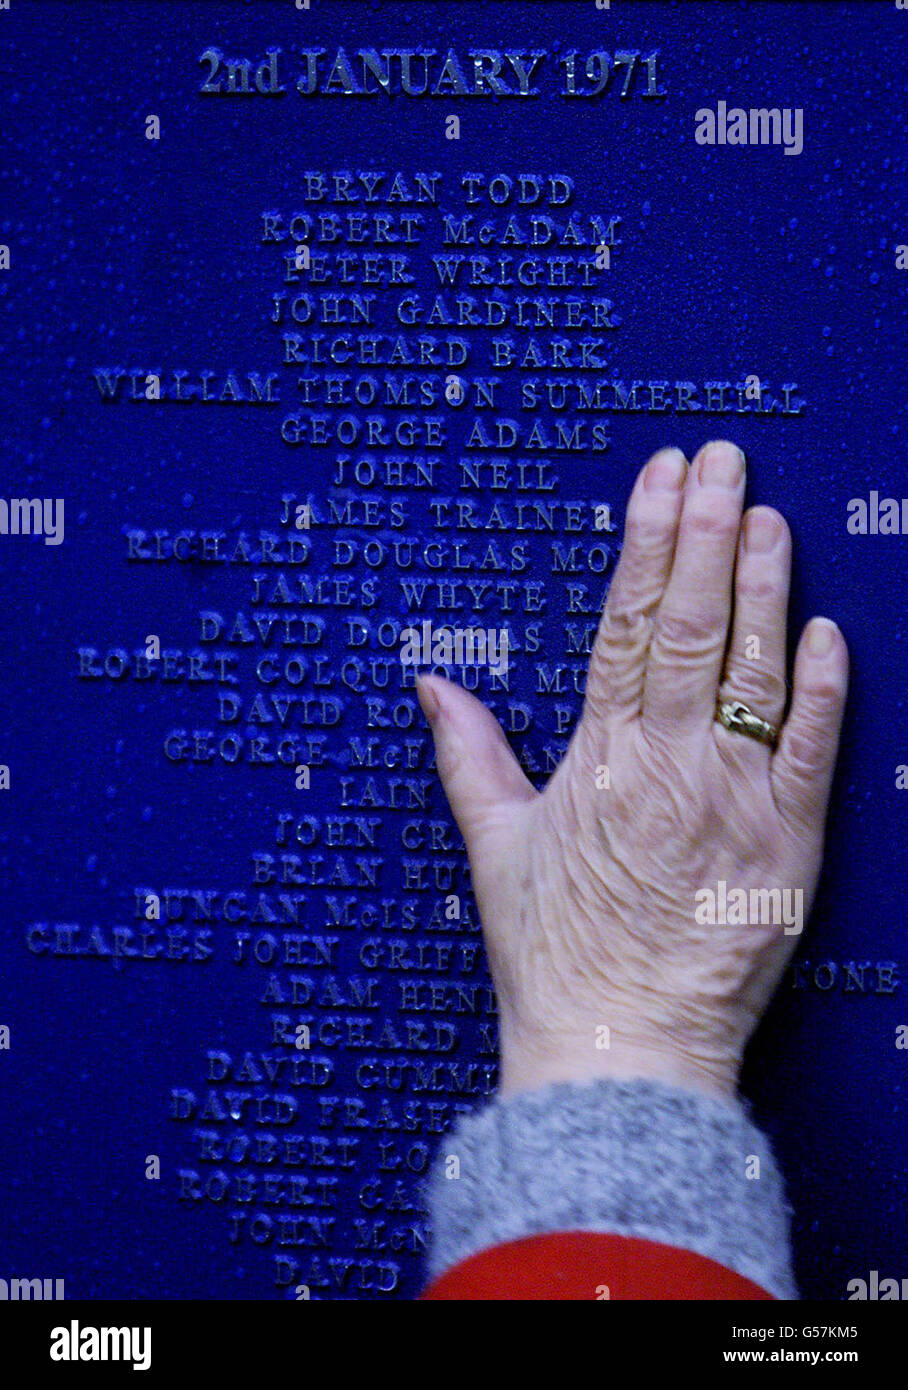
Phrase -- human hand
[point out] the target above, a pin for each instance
(588, 895)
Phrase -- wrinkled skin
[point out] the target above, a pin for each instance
(587, 894)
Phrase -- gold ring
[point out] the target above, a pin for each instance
(735, 716)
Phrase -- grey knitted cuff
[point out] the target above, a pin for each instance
(636, 1158)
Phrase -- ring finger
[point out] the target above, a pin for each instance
(755, 663)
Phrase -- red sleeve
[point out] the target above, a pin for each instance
(589, 1265)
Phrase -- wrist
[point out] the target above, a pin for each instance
(528, 1065)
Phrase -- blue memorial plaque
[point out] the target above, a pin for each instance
(318, 324)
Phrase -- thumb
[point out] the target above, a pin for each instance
(478, 770)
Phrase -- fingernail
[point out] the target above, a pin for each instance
(761, 531)
(427, 698)
(820, 637)
(721, 464)
(665, 471)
